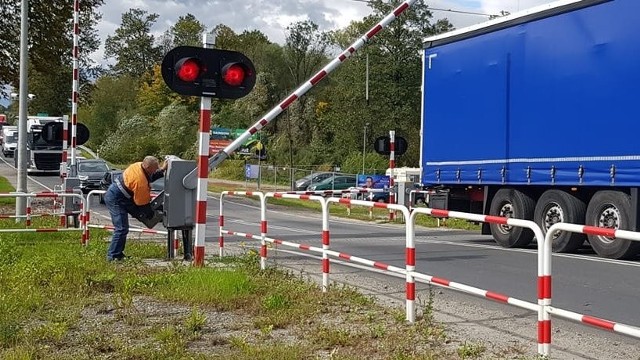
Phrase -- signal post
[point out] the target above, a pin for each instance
(208, 73)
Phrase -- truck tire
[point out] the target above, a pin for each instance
(556, 206)
(513, 204)
(611, 209)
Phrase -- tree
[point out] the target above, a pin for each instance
(47, 87)
(50, 39)
(114, 98)
(187, 31)
(395, 69)
(176, 129)
(154, 95)
(304, 51)
(132, 45)
(131, 141)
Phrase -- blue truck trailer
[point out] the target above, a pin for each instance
(537, 116)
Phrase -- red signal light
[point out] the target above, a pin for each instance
(189, 69)
(234, 74)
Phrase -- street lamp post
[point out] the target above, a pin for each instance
(364, 145)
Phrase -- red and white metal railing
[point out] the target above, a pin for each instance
(28, 215)
(544, 330)
(325, 230)
(581, 318)
(263, 223)
(544, 251)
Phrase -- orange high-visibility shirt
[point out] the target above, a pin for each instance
(136, 180)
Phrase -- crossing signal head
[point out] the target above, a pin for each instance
(233, 74)
(197, 71)
(53, 133)
(189, 69)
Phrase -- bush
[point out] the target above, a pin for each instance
(131, 142)
(176, 130)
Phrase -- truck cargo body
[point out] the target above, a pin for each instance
(543, 104)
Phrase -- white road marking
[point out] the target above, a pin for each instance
(28, 177)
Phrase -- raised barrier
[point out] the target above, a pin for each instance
(570, 315)
(28, 215)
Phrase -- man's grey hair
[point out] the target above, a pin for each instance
(150, 161)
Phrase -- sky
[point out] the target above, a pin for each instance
(273, 16)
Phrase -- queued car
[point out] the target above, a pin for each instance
(312, 179)
(340, 182)
(379, 197)
(90, 173)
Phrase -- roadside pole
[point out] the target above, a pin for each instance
(21, 202)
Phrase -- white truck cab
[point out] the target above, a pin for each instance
(9, 140)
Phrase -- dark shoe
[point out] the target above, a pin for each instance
(118, 258)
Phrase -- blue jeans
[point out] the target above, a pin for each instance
(116, 203)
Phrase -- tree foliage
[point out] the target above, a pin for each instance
(133, 45)
(325, 127)
(112, 100)
(50, 41)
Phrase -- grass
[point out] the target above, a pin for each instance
(5, 186)
(59, 300)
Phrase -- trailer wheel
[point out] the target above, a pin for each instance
(611, 209)
(556, 206)
(512, 203)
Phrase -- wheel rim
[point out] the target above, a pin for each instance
(506, 210)
(609, 218)
(553, 214)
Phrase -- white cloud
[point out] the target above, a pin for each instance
(273, 16)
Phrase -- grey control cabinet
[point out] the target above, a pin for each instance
(179, 202)
(404, 190)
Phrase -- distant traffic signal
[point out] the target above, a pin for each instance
(52, 133)
(382, 145)
(197, 71)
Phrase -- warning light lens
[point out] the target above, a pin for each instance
(188, 70)
(233, 74)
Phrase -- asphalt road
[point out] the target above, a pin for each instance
(582, 282)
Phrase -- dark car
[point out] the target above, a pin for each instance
(90, 174)
(342, 182)
(379, 197)
(312, 179)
